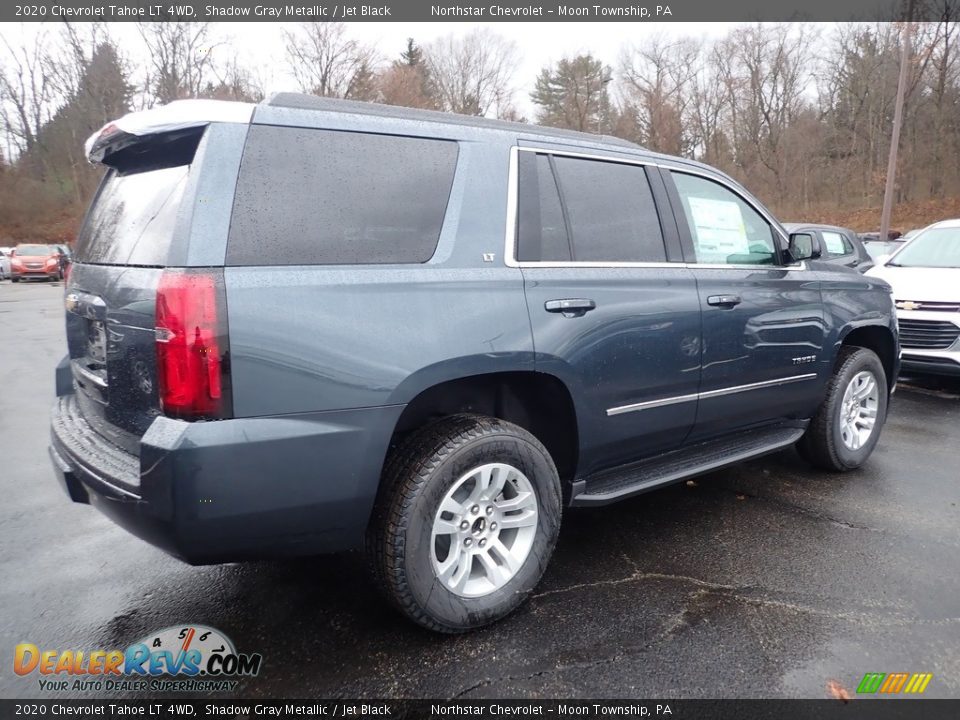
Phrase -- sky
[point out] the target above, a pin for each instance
(261, 45)
(540, 44)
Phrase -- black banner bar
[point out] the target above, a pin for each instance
(200, 709)
(468, 10)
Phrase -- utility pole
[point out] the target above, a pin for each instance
(906, 52)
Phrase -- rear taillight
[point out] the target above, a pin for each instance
(191, 338)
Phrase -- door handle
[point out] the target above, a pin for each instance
(570, 307)
(727, 301)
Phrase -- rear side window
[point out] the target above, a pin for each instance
(610, 210)
(541, 231)
(132, 219)
(836, 244)
(321, 197)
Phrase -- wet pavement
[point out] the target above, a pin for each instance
(767, 580)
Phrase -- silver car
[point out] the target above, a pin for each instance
(4, 263)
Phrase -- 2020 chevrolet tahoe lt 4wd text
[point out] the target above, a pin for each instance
(313, 325)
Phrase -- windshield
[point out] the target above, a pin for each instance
(933, 248)
(34, 250)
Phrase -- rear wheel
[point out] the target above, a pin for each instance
(466, 523)
(847, 425)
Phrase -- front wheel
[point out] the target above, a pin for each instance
(847, 425)
(465, 525)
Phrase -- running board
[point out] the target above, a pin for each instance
(639, 477)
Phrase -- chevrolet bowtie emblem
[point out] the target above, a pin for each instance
(908, 305)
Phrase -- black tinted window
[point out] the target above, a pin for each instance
(132, 219)
(611, 211)
(541, 232)
(325, 197)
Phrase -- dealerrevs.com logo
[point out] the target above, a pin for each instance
(180, 658)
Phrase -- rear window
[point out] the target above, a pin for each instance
(321, 197)
(132, 219)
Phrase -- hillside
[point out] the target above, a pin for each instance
(62, 226)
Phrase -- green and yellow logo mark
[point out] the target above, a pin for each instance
(893, 683)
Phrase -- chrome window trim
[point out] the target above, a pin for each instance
(510, 239)
(649, 404)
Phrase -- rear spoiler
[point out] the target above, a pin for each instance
(173, 120)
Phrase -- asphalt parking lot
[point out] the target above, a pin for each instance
(767, 580)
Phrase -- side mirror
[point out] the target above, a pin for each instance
(881, 259)
(805, 246)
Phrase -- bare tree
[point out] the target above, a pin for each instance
(26, 89)
(326, 62)
(657, 78)
(708, 107)
(234, 81)
(407, 81)
(473, 73)
(180, 58)
(765, 78)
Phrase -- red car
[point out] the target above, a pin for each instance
(43, 262)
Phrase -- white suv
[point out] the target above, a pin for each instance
(925, 275)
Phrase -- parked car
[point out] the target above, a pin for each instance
(925, 275)
(840, 245)
(341, 324)
(4, 264)
(36, 262)
(875, 236)
(879, 250)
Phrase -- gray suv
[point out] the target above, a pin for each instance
(313, 325)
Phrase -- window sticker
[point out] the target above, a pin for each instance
(834, 243)
(720, 228)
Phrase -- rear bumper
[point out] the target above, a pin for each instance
(231, 489)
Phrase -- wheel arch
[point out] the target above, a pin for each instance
(880, 339)
(539, 402)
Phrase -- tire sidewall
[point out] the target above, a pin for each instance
(863, 360)
(429, 592)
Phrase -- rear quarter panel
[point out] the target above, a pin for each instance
(316, 338)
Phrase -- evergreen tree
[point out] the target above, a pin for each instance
(574, 95)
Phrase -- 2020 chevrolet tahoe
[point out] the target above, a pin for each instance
(314, 325)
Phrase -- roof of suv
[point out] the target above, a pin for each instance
(182, 115)
(300, 101)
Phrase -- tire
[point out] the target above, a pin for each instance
(827, 442)
(14, 279)
(436, 465)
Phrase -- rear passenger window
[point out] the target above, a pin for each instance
(321, 197)
(610, 210)
(836, 244)
(541, 231)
